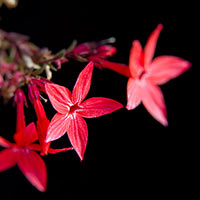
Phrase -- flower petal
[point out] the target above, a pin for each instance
(7, 159)
(165, 68)
(78, 134)
(26, 136)
(59, 96)
(153, 100)
(150, 47)
(98, 106)
(54, 151)
(83, 83)
(5, 143)
(136, 59)
(34, 168)
(133, 93)
(57, 127)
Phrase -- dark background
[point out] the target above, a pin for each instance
(129, 154)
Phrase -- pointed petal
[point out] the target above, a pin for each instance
(57, 127)
(165, 68)
(153, 100)
(150, 47)
(34, 169)
(54, 151)
(98, 106)
(59, 96)
(136, 59)
(78, 134)
(82, 85)
(26, 136)
(7, 159)
(133, 93)
(5, 143)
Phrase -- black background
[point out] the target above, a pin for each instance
(129, 154)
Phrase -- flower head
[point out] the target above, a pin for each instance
(71, 109)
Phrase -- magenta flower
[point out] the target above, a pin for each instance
(71, 110)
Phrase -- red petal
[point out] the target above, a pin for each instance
(150, 47)
(83, 83)
(165, 68)
(27, 136)
(5, 143)
(133, 93)
(34, 168)
(54, 151)
(57, 127)
(136, 59)
(98, 106)
(59, 96)
(78, 134)
(153, 100)
(7, 159)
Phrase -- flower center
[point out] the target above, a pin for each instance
(73, 108)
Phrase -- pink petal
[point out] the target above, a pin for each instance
(150, 47)
(82, 85)
(98, 106)
(57, 127)
(7, 159)
(78, 134)
(153, 100)
(165, 68)
(54, 151)
(133, 93)
(59, 96)
(5, 143)
(26, 136)
(34, 168)
(136, 59)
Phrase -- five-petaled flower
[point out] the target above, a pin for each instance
(146, 74)
(71, 110)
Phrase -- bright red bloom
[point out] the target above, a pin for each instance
(146, 74)
(71, 110)
(22, 154)
(42, 122)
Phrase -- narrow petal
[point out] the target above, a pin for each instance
(82, 85)
(26, 136)
(133, 93)
(54, 151)
(5, 143)
(7, 159)
(136, 59)
(98, 106)
(57, 127)
(165, 68)
(153, 100)
(59, 96)
(78, 134)
(34, 169)
(150, 47)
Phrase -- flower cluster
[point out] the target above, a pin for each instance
(24, 65)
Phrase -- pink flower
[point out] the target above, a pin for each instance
(71, 110)
(146, 74)
(21, 153)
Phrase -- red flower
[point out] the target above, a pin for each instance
(146, 74)
(21, 153)
(71, 110)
